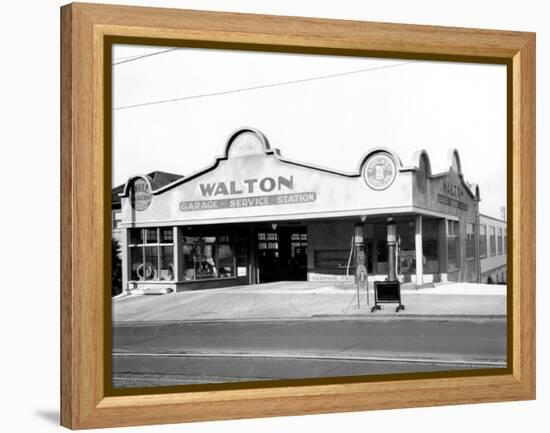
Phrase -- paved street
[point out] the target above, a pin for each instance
(222, 351)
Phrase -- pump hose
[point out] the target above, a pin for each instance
(350, 255)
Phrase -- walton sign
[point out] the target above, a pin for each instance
(266, 184)
(247, 186)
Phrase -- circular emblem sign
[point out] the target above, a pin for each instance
(141, 196)
(379, 171)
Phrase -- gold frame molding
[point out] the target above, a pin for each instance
(87, 32)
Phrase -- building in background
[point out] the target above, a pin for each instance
(493, 247)
(254, 216)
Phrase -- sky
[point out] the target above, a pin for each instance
(174, 109)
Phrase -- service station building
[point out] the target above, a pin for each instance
(254, 216)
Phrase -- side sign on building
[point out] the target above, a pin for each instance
(140, 195)
(379, 171)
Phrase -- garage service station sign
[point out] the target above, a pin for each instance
(252, 181)
(248, 186)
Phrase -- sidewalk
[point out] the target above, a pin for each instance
(298, 300)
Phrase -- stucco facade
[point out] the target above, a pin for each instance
(254, 216)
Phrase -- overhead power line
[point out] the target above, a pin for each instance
(138, 57)
(263, 86)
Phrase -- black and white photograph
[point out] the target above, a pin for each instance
(281, 216)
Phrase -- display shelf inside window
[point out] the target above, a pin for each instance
(298, 246)
(208, 257)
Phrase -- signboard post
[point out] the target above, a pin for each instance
(387, 292)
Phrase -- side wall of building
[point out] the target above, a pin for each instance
(493, 247)
(448, 194)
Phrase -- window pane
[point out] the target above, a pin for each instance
(430, 228)
(207, 257)
(136, 260)
(166, 235)
(190, 257)
(205, 267)
(225, 261)
(405, 231)
(167, 263)
(149, 270)
(483, 241)
(470, 241)
(451, 253)
(136, 236)
(152, 237)
(431, 257)
(406, 262)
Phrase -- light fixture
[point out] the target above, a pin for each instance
(363, 218)
(274, 226)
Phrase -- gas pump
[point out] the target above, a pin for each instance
(361, 275)
(389, 291)
(392, 244)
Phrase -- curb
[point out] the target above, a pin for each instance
(335, 318)
(491, 363)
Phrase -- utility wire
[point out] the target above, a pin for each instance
(138, 57)
(263, 86)
(117, 59)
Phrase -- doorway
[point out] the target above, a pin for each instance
(282, 254)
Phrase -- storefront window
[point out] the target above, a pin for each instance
(430, 249)
(207, 257)
(470, 241)
(482, 241)
(151, 260)
(452, 245)
(406, 247)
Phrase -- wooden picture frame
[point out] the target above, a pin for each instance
(87, 30)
